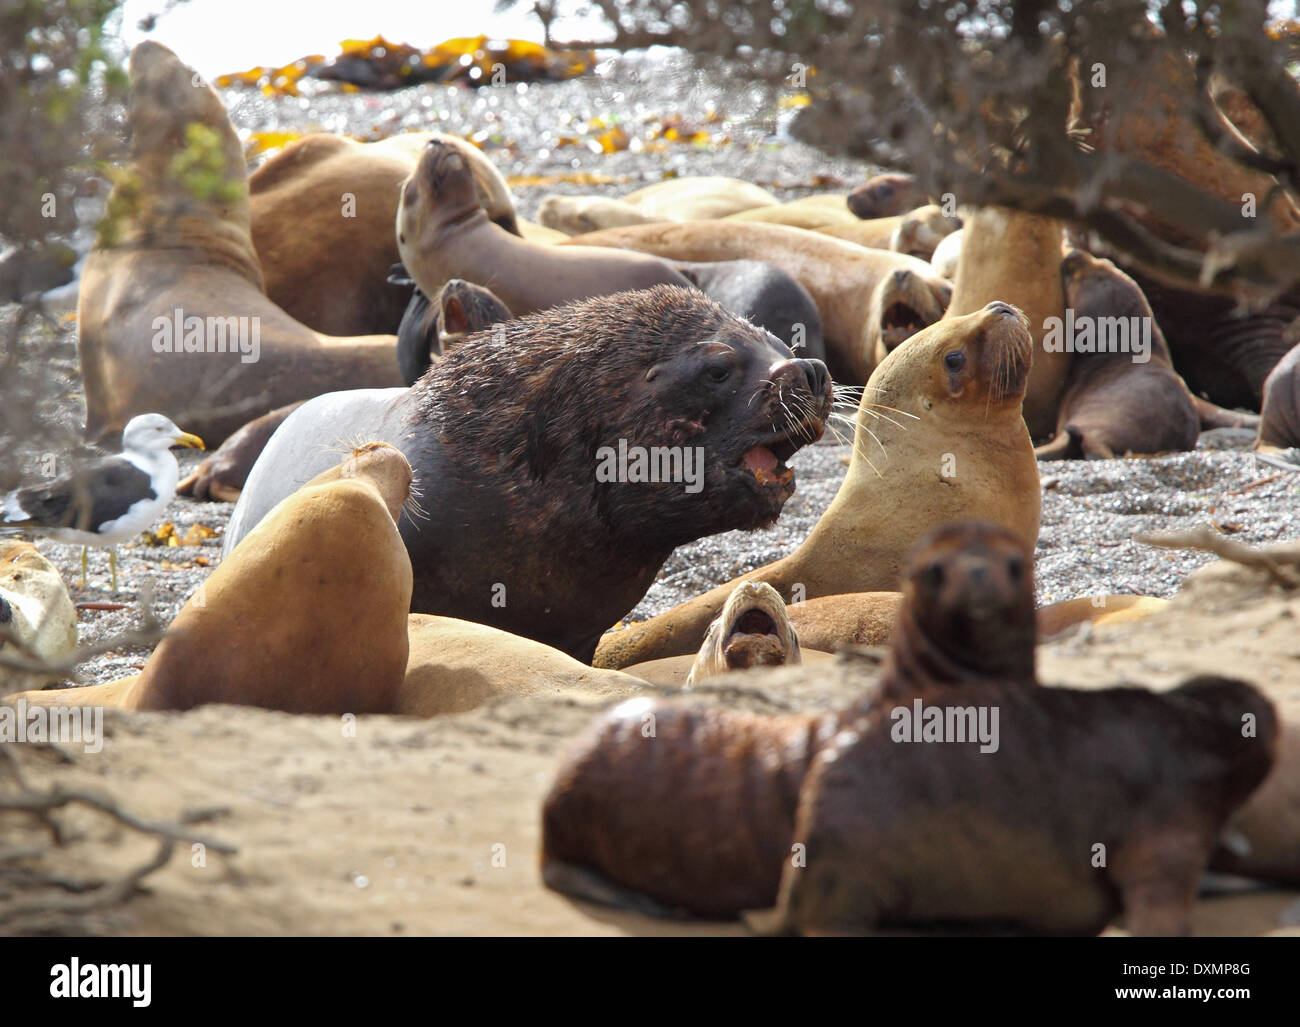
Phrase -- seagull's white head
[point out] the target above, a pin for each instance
(154, 432)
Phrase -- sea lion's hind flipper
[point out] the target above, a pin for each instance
(588, 886)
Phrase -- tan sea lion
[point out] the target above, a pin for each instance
(627, 817)
(698, 198)
(342, 196)
(1279, 418)
(307, 615)
(574, 215)
(938, 437)
(947, 255)
(1016, 258)
(539, 233)
(443, 233)
(753, 630)
(457, 665)
(38, 623)
(808, 212)
(172, 314)
(846, 281)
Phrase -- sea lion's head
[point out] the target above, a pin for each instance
(1096, 287)
(439, 193)
(883, 196)
(968, 609)
(959, 367)
(753, 630)
(430, 328)
(654, 415)
(904, 302)
(921, 231)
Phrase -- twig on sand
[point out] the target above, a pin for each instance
(18, 881)
(1281, 566)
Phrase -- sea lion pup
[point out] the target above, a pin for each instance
(948, 443)
(342, 195)
(430, 329)
(1128, 830)
(1279, 419)
(883, 196)
(843, 279)
(426, 330)
(1016, 257)
(444, 233)
(574, 215)
(752, 630)
(1129, 399)
(172, 314)
(38, 623)
(306, 615)
(670, 807)
(766, 296)
(529, 518)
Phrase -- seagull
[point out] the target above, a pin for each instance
(107, 501)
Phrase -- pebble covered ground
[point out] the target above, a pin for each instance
(1092, 511)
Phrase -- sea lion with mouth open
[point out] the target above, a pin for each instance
(444, 233)
(461, 309)
(845, 280)
(666, 806)
(529, 513)
(1130, 400)
(938, 437)
(183, 256)
(342, 196)
(752, 630)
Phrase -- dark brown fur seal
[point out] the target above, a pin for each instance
(698, 817)
(1027, 844)
(884, 196)
(508, 435)
(1115, 405)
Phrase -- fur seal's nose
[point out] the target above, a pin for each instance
(6, 611)
(901, 275)
(998, 307)
(816, 374)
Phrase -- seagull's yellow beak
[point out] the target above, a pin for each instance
(189, 441)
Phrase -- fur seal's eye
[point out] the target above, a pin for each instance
(719, 372)
(932, 576)
(954, 361)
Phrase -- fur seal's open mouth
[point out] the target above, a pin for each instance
(899, 323)
(767, 460)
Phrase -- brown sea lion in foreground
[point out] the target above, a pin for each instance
(172, 314)
(426, 329)
(322, 214)
(862, 295)
(665, 808)
(938, 437)
(753, 630)
(444, 233)
(533, 446)
(884, 196)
